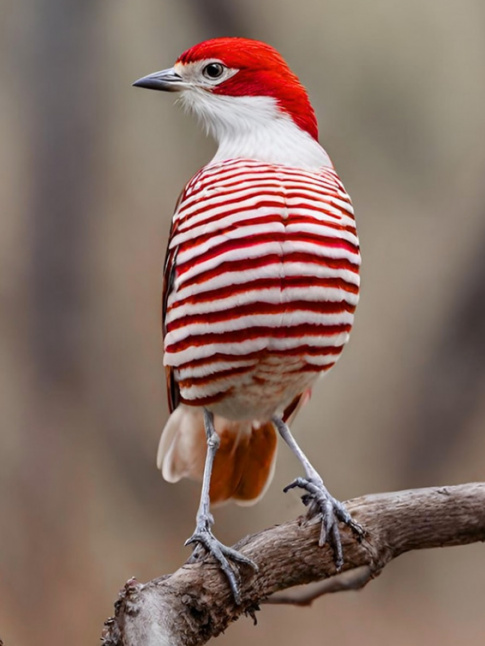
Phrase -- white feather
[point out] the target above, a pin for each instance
(255, 128)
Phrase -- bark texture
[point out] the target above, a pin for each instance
(194, 603)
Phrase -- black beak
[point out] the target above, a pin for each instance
(167, 80)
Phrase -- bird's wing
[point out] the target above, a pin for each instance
(173, 391)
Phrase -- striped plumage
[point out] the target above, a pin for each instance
(263, 268)
(261, 282)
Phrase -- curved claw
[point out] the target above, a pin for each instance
(223, 554)
(332, 511)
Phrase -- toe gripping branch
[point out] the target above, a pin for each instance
(319, 500)
(229, 559)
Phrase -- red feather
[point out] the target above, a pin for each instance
(262, 72)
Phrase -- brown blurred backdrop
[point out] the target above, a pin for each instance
(90, 170)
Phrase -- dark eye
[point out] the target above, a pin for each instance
(213, 70)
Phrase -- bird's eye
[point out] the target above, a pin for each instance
(213, 70)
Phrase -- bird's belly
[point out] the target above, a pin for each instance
(251, 363)
(265, 390)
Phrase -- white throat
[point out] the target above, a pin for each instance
(254, 127)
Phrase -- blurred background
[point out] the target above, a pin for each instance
(90, 170)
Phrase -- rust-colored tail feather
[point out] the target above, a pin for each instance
(243, 466)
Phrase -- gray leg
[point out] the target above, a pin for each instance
(203, 534)
(331, 509)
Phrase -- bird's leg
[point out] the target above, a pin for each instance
(331, 509)
(203, 534)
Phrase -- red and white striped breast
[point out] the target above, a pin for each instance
(262, 280)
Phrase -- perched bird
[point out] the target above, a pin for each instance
(261, 283)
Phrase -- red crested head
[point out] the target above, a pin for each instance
(257, 70)
(248, 99)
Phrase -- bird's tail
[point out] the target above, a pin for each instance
(244, 463)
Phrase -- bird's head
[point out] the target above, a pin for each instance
(241, 89)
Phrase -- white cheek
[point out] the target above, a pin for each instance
(228, 115)
(193, 73)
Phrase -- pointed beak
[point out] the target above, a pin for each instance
(167, 80)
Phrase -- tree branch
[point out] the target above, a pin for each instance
(194, 603)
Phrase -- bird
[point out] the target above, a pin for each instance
(261, 282)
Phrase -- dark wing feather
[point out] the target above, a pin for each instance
(169, 273)
(173, 392)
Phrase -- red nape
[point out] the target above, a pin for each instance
(262, 72)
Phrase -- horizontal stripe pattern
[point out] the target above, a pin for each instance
(264, 261)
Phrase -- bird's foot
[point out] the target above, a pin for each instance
(227, 558)
(332, 510)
